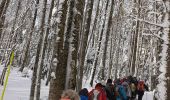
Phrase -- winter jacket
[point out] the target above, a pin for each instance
(109, 91)
(82, 97)
(127, 89)
(98, 93)
(122, 92)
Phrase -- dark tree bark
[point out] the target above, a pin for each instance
(77, 22)
(99, 46)
(106, 41)
(47, 32)
(83, 43)
(33, 83)
(168, 51)
(40, 54)
(57, 85)
(3, 7)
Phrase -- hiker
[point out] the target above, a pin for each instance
(83, 94)
(98, 93)
(69, 95)
(109, 88)
(140, 89)
(119, 91)
(133, 90)
(127, 89)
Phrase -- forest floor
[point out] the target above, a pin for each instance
(18, 87)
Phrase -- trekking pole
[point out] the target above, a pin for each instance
(8, 72)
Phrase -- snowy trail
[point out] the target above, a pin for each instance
(18, 87)
(148, 96)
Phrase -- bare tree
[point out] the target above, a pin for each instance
(99, 45)
(25, 55)
(106, 41)
(3, 8)
(59, 57)
(83, 43)
(37, 72)
(76, 30)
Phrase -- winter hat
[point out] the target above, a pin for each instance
(98, 85)
(109, 81)
(83, 92)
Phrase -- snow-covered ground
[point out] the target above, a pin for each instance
(18, 87)
(148, 96)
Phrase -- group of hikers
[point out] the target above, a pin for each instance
(119, 89)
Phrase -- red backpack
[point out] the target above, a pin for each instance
(93, 95)
(97, 95)
(141, 86)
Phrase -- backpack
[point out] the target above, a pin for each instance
(116, 92)
(122, 93)
(109, 91)
(133, 87)
(141, 86)
(94, 94)
(125, 86)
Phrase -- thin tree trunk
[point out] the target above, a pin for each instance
(167, 14)
(32, 90)
(106, 41)
(136, 40)
(168, 66)
(47, 31)
(41, 49)
(16, 16)
(110, 59)
(94, 26)
(25, 55)
(3, 8)
(70, 64)
(15, 20)
(83, 45)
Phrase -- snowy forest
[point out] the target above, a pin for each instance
(70, 44)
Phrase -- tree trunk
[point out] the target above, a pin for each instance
(60, 54)
(136, 40)
(70, 64)
(77, 22)
(34, 76)
(167, 14)
(40, 54)
(25, 55)
(49, 44)
(83, 44)
(106, 41)
(94, 26)
(3, 7)
(11, 33)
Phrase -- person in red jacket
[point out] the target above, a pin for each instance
(98, 93)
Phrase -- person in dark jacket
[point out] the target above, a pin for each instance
(83, 94)
(109, 88)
